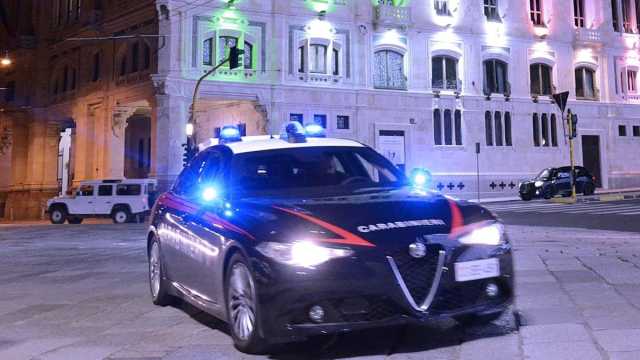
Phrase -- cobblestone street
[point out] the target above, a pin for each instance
(80, 292)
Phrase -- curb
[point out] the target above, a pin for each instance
(609, 197)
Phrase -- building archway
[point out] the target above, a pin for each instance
(137, 146)
(65, 155)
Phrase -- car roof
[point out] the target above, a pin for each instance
(262, 144)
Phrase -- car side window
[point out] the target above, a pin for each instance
(212, 168)
(86, 190)
(128, 189)
(563, 175)
(105, 190)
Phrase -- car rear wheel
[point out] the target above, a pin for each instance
(157, 282)
(120, 215)
(526, 197)
(58, 215)
(242, 309)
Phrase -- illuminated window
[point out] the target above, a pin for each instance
(248, 55)
(444, 72)
(626, 16)
(585, 83)
(495, 76)
(207, 52)
(437, 127)
(389, 70)
(318, 59)
(540, 79)
(554, 131)
(578, 13)
(536, 12)
(507, 129)
(491, 10)
(335, 60)
(225, 45)
(536, 130)
(488, 128)
(320, 119)
(545, 130)
(614, 15)
(632, 85)
(442, 7)
(301, 59)
(447, 130)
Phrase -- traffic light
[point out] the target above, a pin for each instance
(188, 153)
(574, 126)
(234, 57)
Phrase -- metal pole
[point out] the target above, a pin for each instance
(573, 175)
(192, 110)
(478, 170)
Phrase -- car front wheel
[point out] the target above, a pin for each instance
(58, 215)
(477, 320)
(242, 309)
(526, 197)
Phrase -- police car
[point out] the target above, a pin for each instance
(300, 235)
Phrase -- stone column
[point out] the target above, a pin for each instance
(119, 117)
(172, 112)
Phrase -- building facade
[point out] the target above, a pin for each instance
(429, 83)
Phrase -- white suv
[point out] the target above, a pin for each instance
(122, 200)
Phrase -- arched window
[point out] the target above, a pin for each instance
(389, 70)
(318, 59)
(207, 52)
(444, 72)
(585, 83)
(488, 128)
(495, 76)
(545, 130)
(448, 128)
(540, 79)
(554, 131)
(248, 55)
(507, 129)
(498, 121)
(536, 130)
(437, 127)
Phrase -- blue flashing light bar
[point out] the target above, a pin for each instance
(230, 133)
(420, 178)
(293, 132)
(315, 130)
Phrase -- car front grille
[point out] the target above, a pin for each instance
(418, 273)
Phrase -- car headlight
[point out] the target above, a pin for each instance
(485, 235)
(301, 253)
(538, 183)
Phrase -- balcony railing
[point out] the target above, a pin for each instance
(588, 35)
(390, 15)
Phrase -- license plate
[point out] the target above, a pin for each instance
(478, 269)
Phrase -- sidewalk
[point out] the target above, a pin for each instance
(601, 195)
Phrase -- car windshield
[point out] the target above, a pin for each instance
(314, 171)
(544, 175)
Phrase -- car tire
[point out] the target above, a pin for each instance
(548, 193)
(526, 197)
(75, 220)
(120, 215)
(589, 189)
(158, 285)
(58, 215)
(477, 320)
(242, 307)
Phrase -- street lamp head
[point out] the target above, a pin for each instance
(189, 129)
(6, 60)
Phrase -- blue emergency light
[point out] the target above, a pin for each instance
(293, 132)
(230, 133)
(420, 178)
(315, 130)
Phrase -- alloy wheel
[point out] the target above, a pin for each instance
(241, 302)
(154, 270)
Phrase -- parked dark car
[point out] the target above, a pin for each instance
(557, 181)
